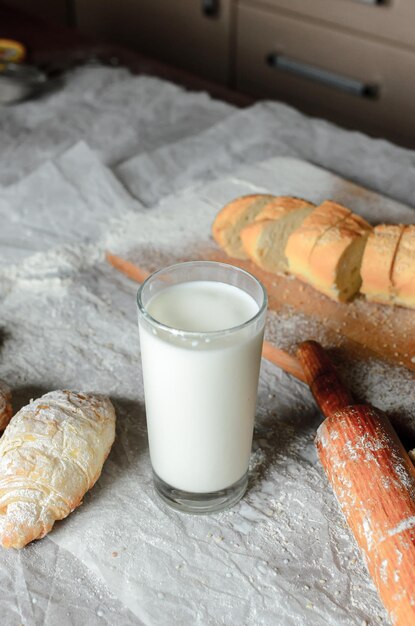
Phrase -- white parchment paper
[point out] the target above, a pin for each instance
(116, 113)
(69, 200)
(283, 555)
(261, 132)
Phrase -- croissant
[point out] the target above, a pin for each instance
(6, 410)
(51, 453)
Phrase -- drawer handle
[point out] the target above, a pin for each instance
(374, 2)
(210, 8)
(319, 75)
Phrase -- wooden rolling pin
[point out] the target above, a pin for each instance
(279, 357)
(373, 479)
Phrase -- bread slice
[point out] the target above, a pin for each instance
(302, 241)
(326, 251)
(232, 218)
(403, 271)
(378, 262)
(264, 240)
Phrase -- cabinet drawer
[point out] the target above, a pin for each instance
(392, 20)
(334, 66)
(178, 33)
(53, 10)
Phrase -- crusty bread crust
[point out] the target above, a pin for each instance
(378, 262)
(403, 273)
(232, 218)
(303, 240)
(388, 267)
(319, 251)
(281, 205)
(264, 240)
(326, 263)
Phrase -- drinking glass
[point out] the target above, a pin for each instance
(200, 390)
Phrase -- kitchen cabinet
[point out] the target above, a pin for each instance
(190, 34)
(339, 74)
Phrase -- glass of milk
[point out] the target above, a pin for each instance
(201, 333)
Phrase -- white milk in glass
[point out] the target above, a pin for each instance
(200, 390)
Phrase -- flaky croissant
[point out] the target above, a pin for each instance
(51, 453)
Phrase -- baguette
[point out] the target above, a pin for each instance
(51, 453)
(326, 250)
(329, 247)
(388, 266)
(265, 239)
(403, 273)
(378, 262)
(232, 218)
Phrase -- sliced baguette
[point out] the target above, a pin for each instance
(232, 218)
(302, 241)
(265, 239)
(326, 251)
(403, 272)
(378, 262)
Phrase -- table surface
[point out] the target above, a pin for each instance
(113, 160)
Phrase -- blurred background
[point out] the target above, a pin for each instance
(349, 61)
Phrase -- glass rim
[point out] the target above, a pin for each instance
(195, 333)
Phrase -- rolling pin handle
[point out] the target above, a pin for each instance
(323, 379)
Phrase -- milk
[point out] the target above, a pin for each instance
(200, 389)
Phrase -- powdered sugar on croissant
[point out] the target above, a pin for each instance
(51, 453)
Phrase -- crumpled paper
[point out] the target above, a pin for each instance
(260, 132)
(69, 200)
(283, 554)
(116, 113)
(44, 584)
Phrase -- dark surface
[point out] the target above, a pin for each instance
(57, 45)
